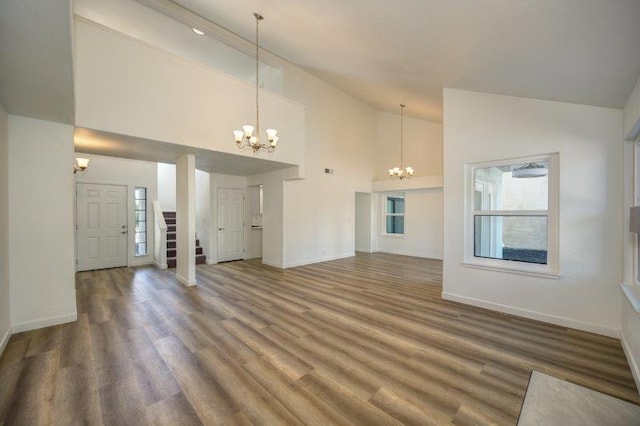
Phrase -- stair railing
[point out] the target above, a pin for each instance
(160, 237)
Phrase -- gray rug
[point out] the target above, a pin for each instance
(550, 401)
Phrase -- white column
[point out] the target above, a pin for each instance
(186, 219)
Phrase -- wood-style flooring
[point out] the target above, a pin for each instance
(364, 340)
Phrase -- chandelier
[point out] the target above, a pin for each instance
(401, 172)
(246, 138)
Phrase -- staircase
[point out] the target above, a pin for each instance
(170, 219)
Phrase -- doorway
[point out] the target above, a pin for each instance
(363, 222)
(101, 219)
(230, 224)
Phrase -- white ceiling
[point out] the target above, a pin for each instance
(383, 52)
(36, 71)
(386, 52)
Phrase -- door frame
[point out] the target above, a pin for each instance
(217, 228)
(75, 216)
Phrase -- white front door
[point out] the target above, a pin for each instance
(102, 226)
(230, 224)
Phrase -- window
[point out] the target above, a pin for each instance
(140, 204)
(513, 214)
(394, 214)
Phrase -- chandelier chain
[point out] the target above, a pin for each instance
(401, 136)
(257, 76)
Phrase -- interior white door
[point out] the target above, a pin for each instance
(102, 226)
(230, 224)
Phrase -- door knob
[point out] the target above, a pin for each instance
(123, 232)
(220, 229)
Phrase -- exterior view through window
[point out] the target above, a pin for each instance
(394, 214)
(511, 212)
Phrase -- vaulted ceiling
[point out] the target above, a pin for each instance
(383, 52)
(387, 52)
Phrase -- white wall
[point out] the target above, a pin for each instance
(203, 210)
(363, 222)
(41, 235)
(422, 223)
(132, 174)
(422, 145)
(482, 127)
(138, 95)
(630, 316)
(319, 222)
(217, 181)
(5, 310)
(167, 186)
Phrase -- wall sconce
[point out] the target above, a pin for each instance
(81, 165)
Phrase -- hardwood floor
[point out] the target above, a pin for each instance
(364, 340)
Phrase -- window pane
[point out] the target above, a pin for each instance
(141, 204)
(141, 227)
(512, 187)
(521, 238)
(141, 215)
(395, 224)
(141, 249)
(395, 204)
(140, 193)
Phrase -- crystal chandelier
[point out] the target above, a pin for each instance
(401, 172)
(246, 138)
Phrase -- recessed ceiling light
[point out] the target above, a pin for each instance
(197, 31)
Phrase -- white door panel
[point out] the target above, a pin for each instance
(102, 226)
(230, 224)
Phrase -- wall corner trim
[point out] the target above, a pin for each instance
(185, 281)
(161, 265)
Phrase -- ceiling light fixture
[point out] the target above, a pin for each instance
(197, 31)
(245, 138)
(80, 165)
(401, 172)
(530, 170)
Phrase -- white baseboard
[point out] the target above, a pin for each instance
(5, 340)
(41, 323)
(161, 265)
(552, 319)
(365, 250)
(142, 262)
(319, 259)
(186, 281)
(210, 262)
(635, 368)
(273, 264)
(437, 256)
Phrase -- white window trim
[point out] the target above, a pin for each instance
(552, 268)
(146, 212)
(385, 214)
